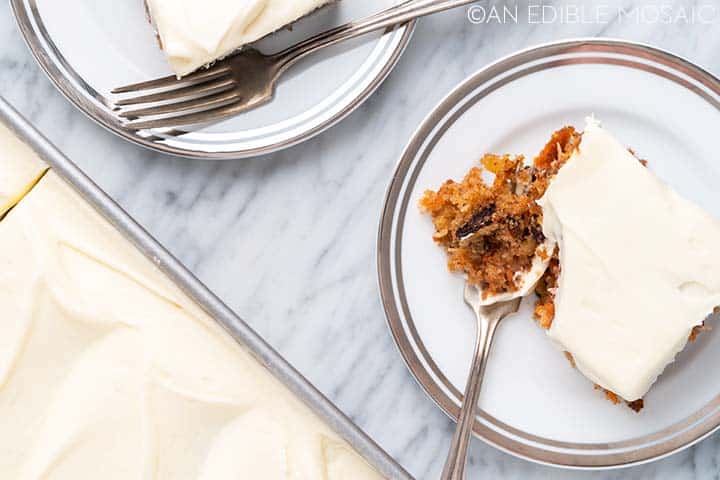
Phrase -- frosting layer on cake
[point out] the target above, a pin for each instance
(20, 168)
(194, 34)
(639, 265)
(107, 370)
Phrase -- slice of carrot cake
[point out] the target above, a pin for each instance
(194, 34)
(633, 274)
(638, 265)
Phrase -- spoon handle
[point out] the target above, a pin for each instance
(487, 320)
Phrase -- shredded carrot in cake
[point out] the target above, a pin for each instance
(492, 232)
(635, 405)
(545, 291)
(697, 330)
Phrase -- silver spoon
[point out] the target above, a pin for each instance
(489, 312)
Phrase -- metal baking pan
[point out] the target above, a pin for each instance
(240, 330)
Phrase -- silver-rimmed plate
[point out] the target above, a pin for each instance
(533, 404)
(107, 44)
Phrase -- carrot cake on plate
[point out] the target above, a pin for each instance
(634, 272)
(194, 34)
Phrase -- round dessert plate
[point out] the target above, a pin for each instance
(534, 404)
(109, 44)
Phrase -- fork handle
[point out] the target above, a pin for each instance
(455, 464)
(390, 17)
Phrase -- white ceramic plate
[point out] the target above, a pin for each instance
(533, 404)
(89, 47)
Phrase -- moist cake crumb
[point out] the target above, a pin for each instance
(492, 232)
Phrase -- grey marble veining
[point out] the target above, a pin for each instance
(288, 240)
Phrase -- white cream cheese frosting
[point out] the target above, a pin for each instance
(639, 265)
(194, 33)
(20, 168)
(107, 370)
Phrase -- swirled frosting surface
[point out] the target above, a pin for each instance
(107, 370)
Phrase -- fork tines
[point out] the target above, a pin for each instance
(196, 98)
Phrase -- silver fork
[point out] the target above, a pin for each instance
(488, 318)
(246, 80)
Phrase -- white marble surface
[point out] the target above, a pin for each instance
(288, 240)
